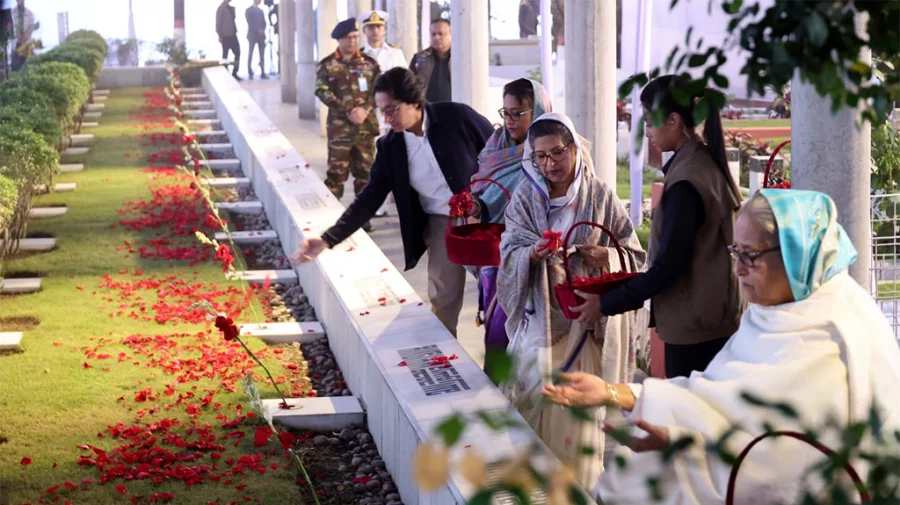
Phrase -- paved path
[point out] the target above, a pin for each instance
(305, 135)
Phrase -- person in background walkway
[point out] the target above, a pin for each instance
(428, 156)
(388, 57)
(695, 301)
(23, 27)
(227, 31)
(528, 18)
(501, 160)
(560, 189)
(812, 340)
(432, 65)
(344, 82)
(256, 37)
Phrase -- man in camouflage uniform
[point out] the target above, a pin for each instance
(344, 82)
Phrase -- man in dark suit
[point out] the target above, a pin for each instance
(428, 156)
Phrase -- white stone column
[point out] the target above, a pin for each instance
(355, 9)
(287, 28)
(831, 154)
(306, 60)
(547, 49)
(637, 158)
(424, 27)
(469, 54)
(402, 29)
(591, 79)
(326, 20)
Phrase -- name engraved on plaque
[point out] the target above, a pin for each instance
(309, 201)
(437, 379)
(374, 291)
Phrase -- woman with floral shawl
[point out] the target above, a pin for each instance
(812, 339)
(501, 160)
(561, 190)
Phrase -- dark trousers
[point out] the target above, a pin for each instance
(231, 43)
(262, 56)
(17, 61)
(681, 360)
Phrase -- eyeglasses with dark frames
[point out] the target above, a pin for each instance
(539, 158)
(391, 112)
(748, 258)
(515, 116)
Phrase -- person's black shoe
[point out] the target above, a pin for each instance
(367, 227)
(251, 75)
(263, 76)
(236, 78)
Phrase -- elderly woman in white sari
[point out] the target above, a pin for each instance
(812, 338)
(559, 190)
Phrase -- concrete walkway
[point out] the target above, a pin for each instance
(305, 135)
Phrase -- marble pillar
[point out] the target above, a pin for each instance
(287, 21)
(470, 54)
(306, 60)
(402, 26)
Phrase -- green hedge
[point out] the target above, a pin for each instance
(91, 37)
(9, 195)
(25, 156)
(27, 109)
(64, 84)
(88, 58)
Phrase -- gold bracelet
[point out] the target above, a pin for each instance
(613, 400)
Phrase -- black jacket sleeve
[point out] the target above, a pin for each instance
(366, 203)
(685, 215)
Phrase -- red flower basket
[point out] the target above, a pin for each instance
(478, 244)
(565, 292)
(781, 185)
(857, 481)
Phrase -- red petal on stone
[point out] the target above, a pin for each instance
(25, 461)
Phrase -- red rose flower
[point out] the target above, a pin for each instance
(262, 436)
(226, 325)
(287, 440)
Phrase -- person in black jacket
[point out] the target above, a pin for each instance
(428, 156)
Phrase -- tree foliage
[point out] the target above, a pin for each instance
(814, 39)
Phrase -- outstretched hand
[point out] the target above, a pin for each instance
(590, 310)
(657, 437)
(579, 389)
(308, 250)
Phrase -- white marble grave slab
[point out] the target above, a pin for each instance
(756, 182)
(195, 96)
(20, 286)
(203, 133)
(247, 237)
(12, 340)
(241, 207)
(197, 104)
(200, 114)
(89, 124)
(76, 151)
(316, 414)
(100, 92)
(227, 182)
(100, 98)
(232, 164)
(35, 244)
(62, 187)
(260, 276)
(95, 107)
(216, 148)
(67, 168)
(47, 212)
(81, 138)
(204, 122)
(194, 90)
(92, 115)
(302, 333)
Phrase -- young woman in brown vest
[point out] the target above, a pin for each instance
(695, 298)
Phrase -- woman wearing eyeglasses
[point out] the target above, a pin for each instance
(560, 189)
(695, 300)
(812, 339)
(501, 160)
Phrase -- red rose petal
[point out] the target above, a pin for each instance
(25, 461)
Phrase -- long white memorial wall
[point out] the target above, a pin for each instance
(373, 318)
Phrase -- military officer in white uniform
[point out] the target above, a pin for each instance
(388, 57)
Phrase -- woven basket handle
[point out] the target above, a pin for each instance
(595, 225)
(468, 186)
(732, 479)
(771, 160)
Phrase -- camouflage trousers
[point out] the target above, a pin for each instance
(349, 155)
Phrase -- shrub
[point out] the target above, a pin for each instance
(89, 59)
(91, 37)
(9, 195)
(64, 84)
(27, 160)
(27, 109)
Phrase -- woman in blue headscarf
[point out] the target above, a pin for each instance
(812, 338)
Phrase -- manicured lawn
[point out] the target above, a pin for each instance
(61, 392)
(754, 123)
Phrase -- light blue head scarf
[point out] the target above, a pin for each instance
(814, 246)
